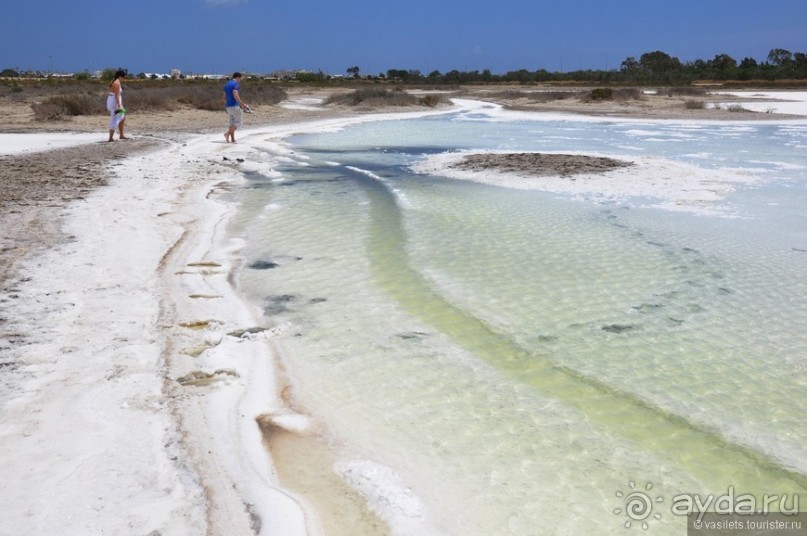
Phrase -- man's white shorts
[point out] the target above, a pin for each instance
(236, 116)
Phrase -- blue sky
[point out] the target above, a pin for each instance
(220, 36)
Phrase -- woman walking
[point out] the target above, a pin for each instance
(114, 103)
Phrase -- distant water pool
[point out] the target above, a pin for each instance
(496, 361)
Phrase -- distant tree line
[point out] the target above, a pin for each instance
(651, 67)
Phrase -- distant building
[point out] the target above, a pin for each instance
(286, 74)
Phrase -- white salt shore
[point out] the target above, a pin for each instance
(89, 434)
(782, 102)
(131, 408)
(31, 143)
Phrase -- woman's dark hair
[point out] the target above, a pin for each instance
(119, 73)
(236, 75)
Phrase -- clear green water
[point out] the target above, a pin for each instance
(517, 358)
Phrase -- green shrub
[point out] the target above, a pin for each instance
(692, 104)
(627, 93)
(535, 96)
(685, 91)
(374, 97)
(617, 94)
(601, 93)
(430, 100)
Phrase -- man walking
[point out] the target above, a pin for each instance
(234, 105)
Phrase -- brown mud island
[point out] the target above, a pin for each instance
(539, 164)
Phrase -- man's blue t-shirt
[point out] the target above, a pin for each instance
(231, 86)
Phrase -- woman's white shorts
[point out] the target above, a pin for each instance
(112, 105)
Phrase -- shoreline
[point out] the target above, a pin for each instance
(132, 291)
(105, 342)
(220, 363)
(223, 348)
(199, 356)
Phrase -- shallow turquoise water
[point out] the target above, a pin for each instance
(518, 357)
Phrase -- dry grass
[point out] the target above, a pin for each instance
(685, 91)
(89, 97)
(612, 94)
(535, 96)
(729, 107)
(532, 97)
(61, 106)
(736, 108)
(382, 97)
